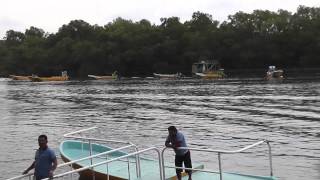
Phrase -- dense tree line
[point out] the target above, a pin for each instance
(245, 40)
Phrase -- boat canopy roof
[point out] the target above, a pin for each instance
(213, 62)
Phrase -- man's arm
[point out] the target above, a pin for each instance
(168, 142)
(29, 168)
(55, 164)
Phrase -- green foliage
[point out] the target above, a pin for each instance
(245, 40)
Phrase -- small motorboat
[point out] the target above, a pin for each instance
(208, 70)
(121, 169)
(105, 162)
(114, 76)
(64, 77)
(20, 78)
(211, 75)
(102, 77)
(274, 74)
(93, 160)
(167, 76)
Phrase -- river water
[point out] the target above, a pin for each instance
(225, 114)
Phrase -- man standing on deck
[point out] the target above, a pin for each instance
(176, 140)
(45, 160)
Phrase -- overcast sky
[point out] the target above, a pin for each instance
(49, 15)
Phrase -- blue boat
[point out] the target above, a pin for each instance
(130, 167)
(93, 159)
(106, 163)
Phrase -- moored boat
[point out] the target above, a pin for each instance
(274, 74)
(64, 77)
(114, 76)
(71, 150)
(167, 76)
(92, 159)
(102, 77)
(211, 75)
(208, 70)
(120, 165)
(20, 78)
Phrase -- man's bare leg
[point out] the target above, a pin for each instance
(190, 173)
(179, 176)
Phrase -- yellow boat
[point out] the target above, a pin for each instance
(211, 75)
(20, 78)
(64, 77)
(208, 70)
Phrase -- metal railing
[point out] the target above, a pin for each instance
(93, 156)
(111, 160)
(29, 176)
(71, 135)
(89, 139)
(219, 152)
(136, 154)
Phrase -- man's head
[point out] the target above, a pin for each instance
(172, 131)
(42, 140)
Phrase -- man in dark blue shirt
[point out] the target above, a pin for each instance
(176, 140)
(45, 160)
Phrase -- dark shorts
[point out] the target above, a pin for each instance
(39, 178)
(186, 159)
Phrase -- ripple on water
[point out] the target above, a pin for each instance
(226, 114)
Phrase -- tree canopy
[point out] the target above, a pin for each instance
(256, 40)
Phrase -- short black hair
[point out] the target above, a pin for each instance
(43, 136)
(172, 128)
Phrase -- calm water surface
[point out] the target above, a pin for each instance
(226, 114)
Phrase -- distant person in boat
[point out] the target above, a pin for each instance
(176, 140)
(45, 160)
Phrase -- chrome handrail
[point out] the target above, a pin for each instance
(111, 160)
(225, 151)
(220, 152)
(22, 176)
(97, 139)
(93, 156)
(79, 131)
(137, 153)
(70, 135)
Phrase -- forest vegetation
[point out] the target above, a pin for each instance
(245, 40)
